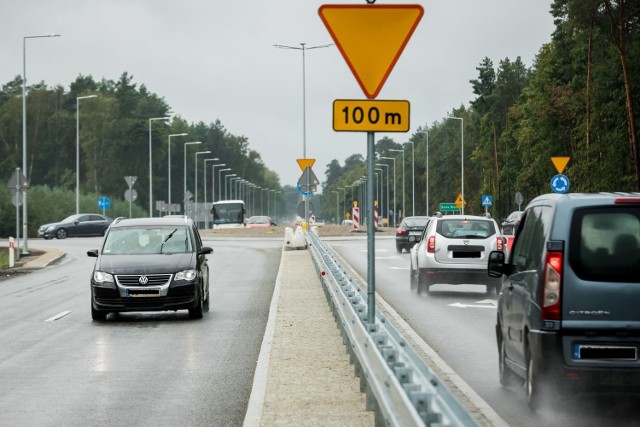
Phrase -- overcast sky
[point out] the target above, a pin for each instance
(215, 59)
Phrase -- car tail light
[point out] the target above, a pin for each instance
(500, 243)
(401, 231)
(627, 201)
(431, 245)
(551, 286)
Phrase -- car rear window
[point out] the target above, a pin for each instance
(465, 228)
(416, 222)
(605, 244)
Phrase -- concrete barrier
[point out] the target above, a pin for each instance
(294, 239)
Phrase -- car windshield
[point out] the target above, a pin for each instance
(259, 220)
(466, 228)
(148, 240)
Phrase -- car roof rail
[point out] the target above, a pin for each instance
(437, 214)
(486, 215)
(118, 219)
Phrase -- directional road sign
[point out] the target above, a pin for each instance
(560, 184)
(371, 38)
(487, 200)
(104, 202)
(362, 115)
(308, 182)
(448, 207)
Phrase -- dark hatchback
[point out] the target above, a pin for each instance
(409, 231)
(78, 225)
(150, 264)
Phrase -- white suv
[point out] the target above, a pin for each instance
(454, 249)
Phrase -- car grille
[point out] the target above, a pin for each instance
(465, 251)
(134, 279)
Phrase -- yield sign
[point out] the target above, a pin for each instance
(305, 163)
(560, 163)
(371, 38)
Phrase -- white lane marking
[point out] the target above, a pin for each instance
(460, 305)
(57, 316)
(398, 268)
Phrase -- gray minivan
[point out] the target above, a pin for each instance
(569, 306)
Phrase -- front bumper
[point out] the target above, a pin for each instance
(112, 297)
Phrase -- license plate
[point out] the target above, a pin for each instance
(414, 233)
(604, 352)
(142, 293)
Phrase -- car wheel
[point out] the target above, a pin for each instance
(197, 311)
(532, 383)
(423, 285)
(206, 302)
(507, 376)
(399, 249)
(61, 233)
(413, 279)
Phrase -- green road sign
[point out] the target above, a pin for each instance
(448, 207)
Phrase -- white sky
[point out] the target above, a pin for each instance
(214, 59)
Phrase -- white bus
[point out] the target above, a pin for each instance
(228, 214)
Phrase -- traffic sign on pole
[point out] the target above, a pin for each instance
(371, 38)
(560, 163)
(305, 163)
(367, 115)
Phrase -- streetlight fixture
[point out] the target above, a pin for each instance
(169, 162)
(204, 179)
(233, 187)
(413, 177)
(195, 176)
(303, 47)
(150, 165)
(461, 160)
(184, 169)
(25, 247)
(394, 186)
(78, 98)
(404, 212)
(274, 203)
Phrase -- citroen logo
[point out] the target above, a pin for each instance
(143, 280)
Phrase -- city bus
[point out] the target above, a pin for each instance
(228, 214)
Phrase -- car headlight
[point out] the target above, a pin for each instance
(101, 277)
(51, 228)
(186, 275)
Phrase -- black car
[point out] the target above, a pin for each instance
(567, 314)
(78, 225)
(409, 231)
(510, 224)
(150, 264)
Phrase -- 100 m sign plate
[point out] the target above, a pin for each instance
(358, 115)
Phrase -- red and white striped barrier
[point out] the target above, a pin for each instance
(375, 218)
(12, 247)
(355, 214)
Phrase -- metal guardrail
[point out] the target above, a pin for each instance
(400, 388)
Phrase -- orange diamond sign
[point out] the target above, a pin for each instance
(371, 38)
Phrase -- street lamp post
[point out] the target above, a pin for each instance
(461, 160)
(386, 166)
(426, 132)
(344, 196)
(204, 179)
(220, 184)
(404, 212)
(304, 48)
(184, 179)
(150, 165)
(394, 187)
(274, 203)
(226, 193)
(169, 163)
(233, 187)
(78, 98)
(213, 181)
(195, 175)
(25, 244)
(413, 177)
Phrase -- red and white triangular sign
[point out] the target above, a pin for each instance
(371, 38)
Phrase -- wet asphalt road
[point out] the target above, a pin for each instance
(58, 367)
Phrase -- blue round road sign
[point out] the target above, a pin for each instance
(104, 202)
(560, 183)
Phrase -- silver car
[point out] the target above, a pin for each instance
(454, 249)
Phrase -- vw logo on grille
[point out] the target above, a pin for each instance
(143, 280)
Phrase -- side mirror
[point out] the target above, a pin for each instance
(93, 253)
(206, 250)
(496, 264)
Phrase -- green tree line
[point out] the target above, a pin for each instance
(579, 99)
(113, 143)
